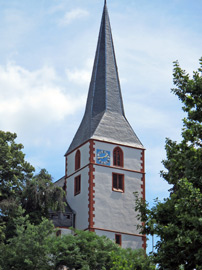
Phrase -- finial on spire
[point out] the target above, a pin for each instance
(105, 2)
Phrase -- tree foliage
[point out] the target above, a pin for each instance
(27, 237)
(29, 248)
(14, 170)
(36, 194)
(128, 259)
(178, 219)
(40, 195)
(85, 250)
(36, 247)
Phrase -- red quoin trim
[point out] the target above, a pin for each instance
(143, 191)
(91, 190)
(143, 197)
(143, 161)
(77, 160)
(118, 157)
(143, 174)
(144, 244)
(92, 152)
(143, 187)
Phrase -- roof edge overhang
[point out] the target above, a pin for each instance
(106, 140)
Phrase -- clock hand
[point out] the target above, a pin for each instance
(104, 156)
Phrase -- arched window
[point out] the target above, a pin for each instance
(77, 160)
(118, 157)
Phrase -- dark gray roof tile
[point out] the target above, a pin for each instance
(104, 117)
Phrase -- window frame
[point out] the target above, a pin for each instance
(58, 233)
(117, 188)
(120, 239)
(118, 154)
(77, 160)
(77, 185)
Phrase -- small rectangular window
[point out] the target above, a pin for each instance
(118, 182)
(77, 185)
(58, 233)
(118, 239)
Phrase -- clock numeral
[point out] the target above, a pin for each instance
(103, 157)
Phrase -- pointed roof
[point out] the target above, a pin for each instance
(104, 118)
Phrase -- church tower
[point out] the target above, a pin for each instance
(105, 161)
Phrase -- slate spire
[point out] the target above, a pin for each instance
(104, 117)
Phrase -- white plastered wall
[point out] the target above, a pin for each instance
(79, 203)
(84, 149)
(132, 156)
(115, 210)
(65, 231)
(128, 241)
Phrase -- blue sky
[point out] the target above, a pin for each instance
(47, 49)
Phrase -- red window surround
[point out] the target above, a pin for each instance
(77, 160)
(118, 157)
(77, 185)
(118, 239)
(118, 182)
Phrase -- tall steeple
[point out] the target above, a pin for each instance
(104, 118)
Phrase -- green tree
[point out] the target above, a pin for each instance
(128, 259)
(85, 250)
(36, 194)
(29, 248)
(178, 219)
(14, 170)
(36, 247)
(27, 237)
(88, 251)
(40, 195)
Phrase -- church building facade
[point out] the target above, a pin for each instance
(105, 161)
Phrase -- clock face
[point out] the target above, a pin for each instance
(103, 157)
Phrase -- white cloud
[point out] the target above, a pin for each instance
(33, 100)
(79, 76)
(73, 15)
